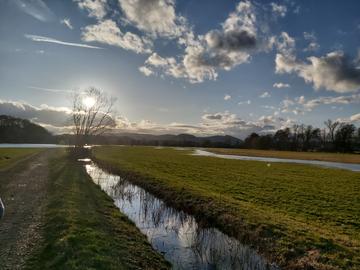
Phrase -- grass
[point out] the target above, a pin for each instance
(84, 230)
(332, 157)
(296, 215)
(10, 156)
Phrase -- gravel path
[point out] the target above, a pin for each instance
(23, 190)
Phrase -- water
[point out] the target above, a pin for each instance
(327, 164)
(30, 145)
(184, 242)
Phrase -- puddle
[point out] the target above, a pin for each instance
(84, 160)
(337, 165)
(183, 241)
(2, 209)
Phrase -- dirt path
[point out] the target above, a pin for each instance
(23, 190)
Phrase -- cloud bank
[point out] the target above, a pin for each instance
(333, 72)
(58, 120)
(107, 32)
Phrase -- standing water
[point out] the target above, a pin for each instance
(183, 241)
(327, 164)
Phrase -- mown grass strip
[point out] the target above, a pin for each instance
(297, 215)
(84, 230)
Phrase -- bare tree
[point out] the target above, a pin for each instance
(91, 114)
(332, 129)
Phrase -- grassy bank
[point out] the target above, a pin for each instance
(332, 157)
(9, 156)
(296, 215)
(84, 230)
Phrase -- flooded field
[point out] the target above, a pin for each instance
(327, 164)
(31, 145)
(185, 242)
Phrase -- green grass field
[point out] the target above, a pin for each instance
(9, 156)
(295, 214)
(84, 230)
(333, 157)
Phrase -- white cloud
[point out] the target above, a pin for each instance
(35, 8)
(278, 10)
(58, 120)
(227, 97)
(281, 85)
(248, 102)
(167, 65)
(52, 40)
(269, 107)
(355, 117)
(55, 116)
(108, 32)
(302, 105)
(313, 44)
(228, 123)
(218, 49)
(95, 8)
(156, 17)
(333, 72)
(220, 123)
(158, 61)
(265, 95)
(145, 70)
(297, 10)
(312, 103)
(285, 44)
(67, 23)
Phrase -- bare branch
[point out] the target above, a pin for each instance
(92, 114)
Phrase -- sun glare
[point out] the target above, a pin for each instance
(89, 102)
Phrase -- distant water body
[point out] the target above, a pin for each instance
(31, 145)
(327, 164)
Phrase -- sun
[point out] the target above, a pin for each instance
(88, 102)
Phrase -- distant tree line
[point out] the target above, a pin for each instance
(336, 136)
(182, 140)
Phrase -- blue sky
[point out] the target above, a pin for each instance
(201, 67)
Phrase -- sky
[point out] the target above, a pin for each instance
(201, 67)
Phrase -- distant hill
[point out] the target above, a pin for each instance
(17, 130)
(161, 140)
